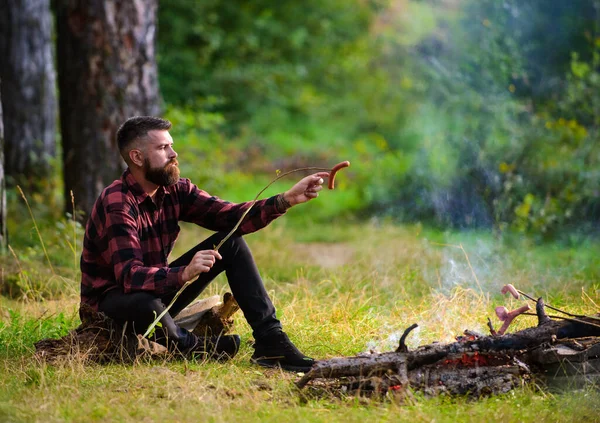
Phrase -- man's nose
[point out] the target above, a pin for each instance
(173, 154)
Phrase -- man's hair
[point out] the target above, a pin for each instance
(138, 127)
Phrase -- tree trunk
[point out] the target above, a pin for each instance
(3, 233)
(107, 73)
(28, 90)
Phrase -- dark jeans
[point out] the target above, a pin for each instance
(140, 309)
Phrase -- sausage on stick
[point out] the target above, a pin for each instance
(335, 169)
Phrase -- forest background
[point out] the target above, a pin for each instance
(466, 121)
(461, 114)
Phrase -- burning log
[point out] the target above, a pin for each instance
(475, 364)
(101, 339)
(473, 377)
(365, 366)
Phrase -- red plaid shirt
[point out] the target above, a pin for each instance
(130, 235)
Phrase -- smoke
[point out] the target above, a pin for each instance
(476, 267)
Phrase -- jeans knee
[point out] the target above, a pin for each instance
(234, 245)
(148, 304)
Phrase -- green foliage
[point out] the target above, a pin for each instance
(556, 175)
(506, 118)
(249, 56)
(19, 332)
(253, 88)
(44, 250)
(475, 114)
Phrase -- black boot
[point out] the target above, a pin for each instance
(223, 347)
(276, 350)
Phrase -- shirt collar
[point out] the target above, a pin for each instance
(138, 192)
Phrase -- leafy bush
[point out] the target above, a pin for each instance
(475, 114)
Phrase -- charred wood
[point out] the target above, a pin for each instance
(366, 367)
(479, 365)
(540, 310)
(402, 344)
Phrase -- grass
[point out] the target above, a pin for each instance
(340, 289)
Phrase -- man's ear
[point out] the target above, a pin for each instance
(136, 156)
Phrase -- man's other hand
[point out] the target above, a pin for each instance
(306, 189)
(202, 262)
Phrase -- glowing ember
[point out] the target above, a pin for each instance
(468, 360)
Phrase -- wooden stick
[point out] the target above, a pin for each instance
(570, 319)
(580, 316)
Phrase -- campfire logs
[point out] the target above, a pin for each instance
(474, 364)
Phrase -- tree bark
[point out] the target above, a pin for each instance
(3, 232)
(28, 90)
(107, 73)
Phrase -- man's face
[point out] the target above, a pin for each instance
(160, 160)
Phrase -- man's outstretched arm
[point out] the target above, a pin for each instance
(212, 213)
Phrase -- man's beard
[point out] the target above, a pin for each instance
(162, 176)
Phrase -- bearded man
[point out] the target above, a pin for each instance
(131, 232)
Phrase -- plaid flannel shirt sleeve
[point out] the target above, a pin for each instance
(125, 253)
(212, 213)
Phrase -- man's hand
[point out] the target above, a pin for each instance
(306, 189)
(202, 262)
